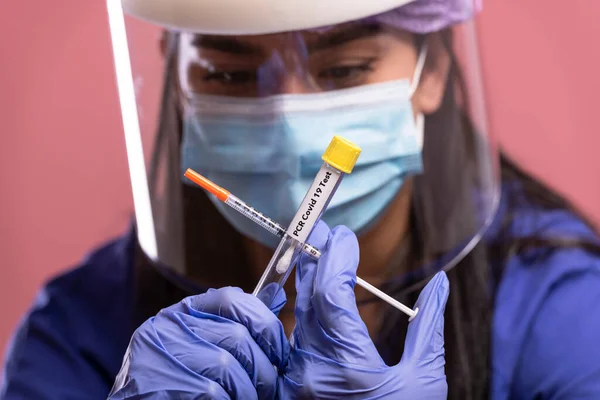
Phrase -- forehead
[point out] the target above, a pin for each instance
(311, 40)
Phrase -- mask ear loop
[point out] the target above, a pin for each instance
(420, 128)
(414, 84)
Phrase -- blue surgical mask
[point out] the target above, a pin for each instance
(267, 151)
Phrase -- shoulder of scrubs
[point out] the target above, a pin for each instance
(71, 343)
(546, 323)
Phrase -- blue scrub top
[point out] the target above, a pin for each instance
(546, 327)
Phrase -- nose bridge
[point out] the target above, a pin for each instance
(286, 73)
(295, 84)
(297, 80)
(287, 66)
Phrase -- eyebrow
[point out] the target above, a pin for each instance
(345, 35)
(226, 44)
(232, 45)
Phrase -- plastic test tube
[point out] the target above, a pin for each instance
(339, 158)
(276, 229)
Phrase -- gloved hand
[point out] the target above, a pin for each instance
(219, 345)
(332, 355)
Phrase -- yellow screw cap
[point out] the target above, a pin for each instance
(341, 154)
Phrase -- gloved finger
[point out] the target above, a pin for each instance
(140, 377)
(334, 303)
(163, 358)
(219, 366)
(236, 340)
(306, 321)
(138, 384)
(307, 268)
(425, 336)
(318, 239)
(234, 304)
(273, 296)
(203, 389)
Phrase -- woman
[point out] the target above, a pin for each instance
(250, 99)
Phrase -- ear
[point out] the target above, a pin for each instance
(430, 92)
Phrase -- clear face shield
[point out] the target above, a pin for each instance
(254, 112)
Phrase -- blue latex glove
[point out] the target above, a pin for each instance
(223, 344)
(332, 355)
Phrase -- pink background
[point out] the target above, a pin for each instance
(62, 160)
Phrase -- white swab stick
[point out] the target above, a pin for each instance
(388, 299)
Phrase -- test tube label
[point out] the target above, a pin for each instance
(313, 203)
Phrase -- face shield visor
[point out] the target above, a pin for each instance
(251, 102)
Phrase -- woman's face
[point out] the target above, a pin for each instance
(345, 56)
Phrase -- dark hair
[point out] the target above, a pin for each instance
(449, 157)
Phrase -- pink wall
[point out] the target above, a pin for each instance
(541, 64)
(60, 115)
(62, 155)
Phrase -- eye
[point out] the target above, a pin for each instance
(346, 75)
(231, 77)
(342, 72)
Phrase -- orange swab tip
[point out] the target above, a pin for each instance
(204, 183)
